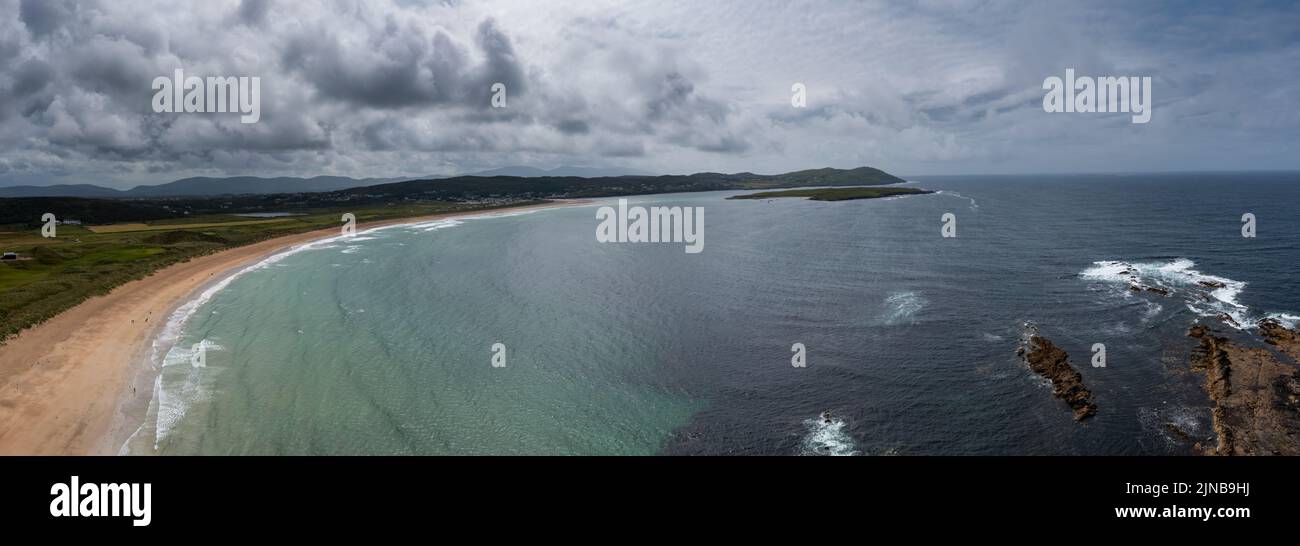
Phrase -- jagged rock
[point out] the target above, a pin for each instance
(1226, 318)
(1053, 363)
(1286, 340)
(1211, 284)
(1256, 395)
(1178, 431)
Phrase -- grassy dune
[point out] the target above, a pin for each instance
(123, 228)
(58, 273)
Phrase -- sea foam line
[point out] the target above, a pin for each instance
(973, 204)
(180, 317)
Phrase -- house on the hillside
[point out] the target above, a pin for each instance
(9, 256)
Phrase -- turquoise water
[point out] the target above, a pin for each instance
(383, 344)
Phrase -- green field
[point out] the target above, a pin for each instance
(123, 228)
(835, 194)
(58, 273)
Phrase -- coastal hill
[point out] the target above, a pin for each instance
(245, 185)
(835, 194)
(461, 189)
(199, 186)
(608, 186)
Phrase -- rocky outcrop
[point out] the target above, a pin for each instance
(1256, 395)
(1134, 286)
(1286, 340)
(1053, 363)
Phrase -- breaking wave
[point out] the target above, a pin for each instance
(827, 439)
(901, 307)
(1202, 293)
(973, 204)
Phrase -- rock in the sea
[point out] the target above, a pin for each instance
(1256, 395)
(1158, 290)
(1052, 362)
(1211, 284)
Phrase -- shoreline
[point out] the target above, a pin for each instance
(82, 382)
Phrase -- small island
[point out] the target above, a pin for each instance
(835, 194)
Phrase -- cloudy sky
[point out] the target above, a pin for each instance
(402, 87)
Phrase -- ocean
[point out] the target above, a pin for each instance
(384, 343)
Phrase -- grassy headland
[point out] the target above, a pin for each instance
(835, 194)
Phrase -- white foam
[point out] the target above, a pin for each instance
(1153, 309)
(434, 226)
(1285, 319)
(902, 307)
(1105, 270)
(164, 350)
(973, 204)
(1204, 294)
(827, 439)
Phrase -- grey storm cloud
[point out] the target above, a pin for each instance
(43, 17)
(403, 87)
(253, 12)
(403, 65)
(347, 87)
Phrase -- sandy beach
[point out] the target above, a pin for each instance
(79, 383)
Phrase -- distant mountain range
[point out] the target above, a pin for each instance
(201, 186)
(567, 170)
(252, 185)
